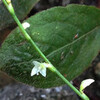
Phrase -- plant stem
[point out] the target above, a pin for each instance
(82, 95)
(11, 10)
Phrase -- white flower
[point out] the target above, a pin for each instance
(25, 25)
(39, 68)
(85, 83)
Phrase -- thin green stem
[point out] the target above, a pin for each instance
(11, 10)
(30, 39)
(82, 95)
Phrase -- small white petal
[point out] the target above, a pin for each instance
(86, 83)
(26, 25)
(36, 63)
(43, 71)
(34, 71)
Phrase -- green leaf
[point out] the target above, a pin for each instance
(22, 8)
(53, 31)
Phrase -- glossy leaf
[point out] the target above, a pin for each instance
(54, 31)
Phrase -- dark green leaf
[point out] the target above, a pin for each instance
(54, 32)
